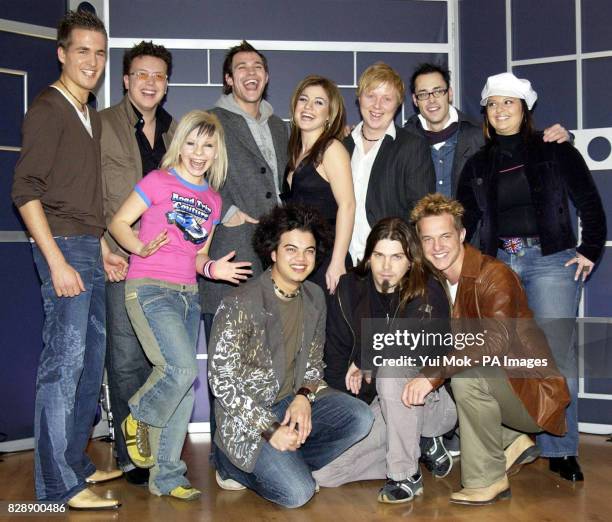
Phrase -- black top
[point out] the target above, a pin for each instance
(310, 189)
(516, 214)
(151, 157)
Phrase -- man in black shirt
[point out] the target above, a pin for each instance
(135, 135)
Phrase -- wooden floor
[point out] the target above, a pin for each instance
(538, 495)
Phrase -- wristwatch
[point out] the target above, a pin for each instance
(306, 392)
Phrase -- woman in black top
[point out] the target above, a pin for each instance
(319, 169)
(515, 192)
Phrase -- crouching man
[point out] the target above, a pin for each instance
(496, 406)
(393, 284)
(277, 421)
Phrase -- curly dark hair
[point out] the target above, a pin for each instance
(77, 20)
(428, 68)
(286, 218)
(147, 49)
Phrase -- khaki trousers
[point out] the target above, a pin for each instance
(491, 416)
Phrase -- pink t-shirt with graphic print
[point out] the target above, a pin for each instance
(188, 212)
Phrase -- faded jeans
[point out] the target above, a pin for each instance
(69, 372)
(166, 318)
(553, 294)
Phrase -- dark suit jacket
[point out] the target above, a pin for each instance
(402, 174)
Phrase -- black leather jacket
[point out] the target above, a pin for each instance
(554, 172)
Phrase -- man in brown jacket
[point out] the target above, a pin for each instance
(495, 406)
(135, 135)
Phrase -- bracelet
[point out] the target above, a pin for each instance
(267, 435)
(208, 269)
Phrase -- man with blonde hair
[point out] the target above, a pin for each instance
(495, 407)
(391, 166)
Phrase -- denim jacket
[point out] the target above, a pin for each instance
(246, 363)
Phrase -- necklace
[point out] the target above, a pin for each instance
(284, 294)
(72, 94)
(368, 139)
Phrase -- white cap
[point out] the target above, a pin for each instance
(506, 84)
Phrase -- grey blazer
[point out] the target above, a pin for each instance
(250, 186)
(246, 363)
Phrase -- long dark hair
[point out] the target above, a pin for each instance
(527, 129)
(334, 128)
(414, 283)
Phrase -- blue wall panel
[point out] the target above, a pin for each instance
(543, 28)
(596, 411)
(21, 309)
(596, 34)
(9, 217)
(483, 48)
(11, 87)
(37, 12)
(597, 292)
(555, 84)
(323, 20)
(36, 56)
(596, 81)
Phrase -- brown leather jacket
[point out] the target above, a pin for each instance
(490, 290)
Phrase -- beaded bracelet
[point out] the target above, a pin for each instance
(209, 270)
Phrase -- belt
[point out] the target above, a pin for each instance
(514, 245)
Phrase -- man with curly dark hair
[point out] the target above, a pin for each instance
(135, 135)
(277, 421)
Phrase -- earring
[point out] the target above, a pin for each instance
(326, 124)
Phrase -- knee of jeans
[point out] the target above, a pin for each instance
(363, 419)
(299, 492)
(184, 375)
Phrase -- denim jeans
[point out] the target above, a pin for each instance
(127, 366)
(69, 372)
(553, 294)
(166, 318)
(285, 477)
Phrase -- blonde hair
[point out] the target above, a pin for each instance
(208, 124)
(436, 205)
(378, 74)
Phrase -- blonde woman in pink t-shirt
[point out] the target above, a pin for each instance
(178, 207)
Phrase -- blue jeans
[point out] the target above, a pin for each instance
(166, 318)
(553, 294)
(69, 372)
(285, 477)
(127, 366)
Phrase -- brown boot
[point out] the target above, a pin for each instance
(483, 496)
(99, 476)
(88, 500)
(521, 451)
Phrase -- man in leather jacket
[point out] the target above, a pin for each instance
(496, 406)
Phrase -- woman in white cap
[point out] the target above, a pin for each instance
(515, 192)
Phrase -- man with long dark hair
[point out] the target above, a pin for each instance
(277, 420)
(391, 283)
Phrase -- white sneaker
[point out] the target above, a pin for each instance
(228, 484)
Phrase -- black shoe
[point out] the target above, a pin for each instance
(567, 467)
(398, 491)
(137, 476)
(435, 457)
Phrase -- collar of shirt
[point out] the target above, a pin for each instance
(357, 138)
(162, 119)
(453, 117)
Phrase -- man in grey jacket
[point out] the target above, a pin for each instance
(256, 142)
(135, 135)
(277, 419)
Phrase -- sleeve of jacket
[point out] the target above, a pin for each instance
(467, 197)
(500, 298)
(229, 341)
(314, 364)
(338, 343)
(41, 134)
(585, 196)
(416, 165)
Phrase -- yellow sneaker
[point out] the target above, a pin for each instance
(136, 434)
(186, 493)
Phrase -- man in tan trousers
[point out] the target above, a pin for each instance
(495, 406)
